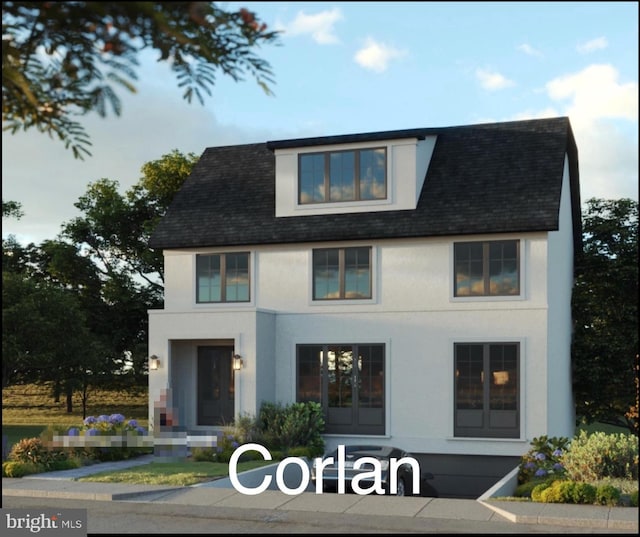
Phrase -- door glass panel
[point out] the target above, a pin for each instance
(340, 372)
(309, 373)
(370, 376)
(503, 388)
(469, 377)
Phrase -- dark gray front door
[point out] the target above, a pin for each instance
(215, 385)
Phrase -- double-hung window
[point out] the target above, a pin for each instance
(342, 273)
(335, 176)
(222, 277)
(489, 268)
(487, 401)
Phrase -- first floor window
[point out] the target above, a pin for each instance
(222, 277)
(490, 268)
(348, 381)
(487, 402)
(342, 273)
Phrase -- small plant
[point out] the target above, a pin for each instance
(227, 444)
(294, 425)
(19, 469)
(543, 459)
(583, 493)
(608, 495)
(35, 451)
(202, 454)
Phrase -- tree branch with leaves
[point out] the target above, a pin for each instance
(62, 60)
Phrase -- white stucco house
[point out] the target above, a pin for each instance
(416, 283)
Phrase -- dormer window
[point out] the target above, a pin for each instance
(334, 176)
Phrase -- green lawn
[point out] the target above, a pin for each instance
(172, 473)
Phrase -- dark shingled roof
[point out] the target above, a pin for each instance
(486, 178)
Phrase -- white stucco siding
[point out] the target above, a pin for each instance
(561, 277)
(174, 338)
(412, 311)
(419, 367)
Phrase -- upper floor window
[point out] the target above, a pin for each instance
(222, 277)
(342, 273)
(342, 176)
(490, 268)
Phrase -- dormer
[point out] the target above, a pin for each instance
(381, 171)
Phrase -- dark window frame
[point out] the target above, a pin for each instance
(223, 278)
(486, 263)
(485, 415)
(365, 412)
(342, 273)
(356, 173)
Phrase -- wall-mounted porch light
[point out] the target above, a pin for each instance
(237, 362)
(154, 362)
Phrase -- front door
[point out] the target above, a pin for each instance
(215, 385)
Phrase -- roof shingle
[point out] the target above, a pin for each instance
(485, 178)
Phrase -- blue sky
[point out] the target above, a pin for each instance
(351, 67)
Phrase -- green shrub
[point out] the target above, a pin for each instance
(294, 425)
(596, 456)
(536, 492)
(202, 454)
(584, 493)
(574, 492)
(300, 451)
(34, 450)
(524, 489)
(558, 492)
(65, 464)
(607, 495)
(633, 498)
(19, 468)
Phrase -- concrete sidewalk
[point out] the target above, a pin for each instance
(63, 484)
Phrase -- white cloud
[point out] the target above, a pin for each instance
(595, 93)
(604, 117)
(595, 44)
(529, 50)
(320, 26)
(376, 56)
(490, 80)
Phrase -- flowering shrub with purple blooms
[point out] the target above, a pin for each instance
(122, 434)
(544, 459)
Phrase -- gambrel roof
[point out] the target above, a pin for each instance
(487, 178)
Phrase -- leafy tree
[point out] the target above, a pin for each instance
(605, 309)
(61, 60)
(75, 308)
(11, 208)
(115, 228)
(113, 234)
